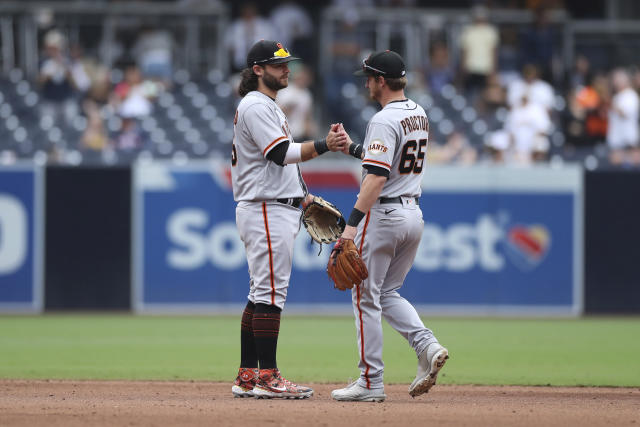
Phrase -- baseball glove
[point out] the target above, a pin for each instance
(323, 220)
(345, 267)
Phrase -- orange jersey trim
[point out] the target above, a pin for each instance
(266, 227)
(364, 231)
(377, 163)
(366, 371)
(264, 153)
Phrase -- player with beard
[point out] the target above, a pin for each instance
(269, 189)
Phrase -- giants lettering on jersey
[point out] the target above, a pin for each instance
(376, 147)
(414, 123)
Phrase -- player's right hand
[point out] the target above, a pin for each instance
(336, 139)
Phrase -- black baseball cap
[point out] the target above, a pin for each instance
(268, 52)
(386, 64)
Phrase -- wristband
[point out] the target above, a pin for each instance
(355, 217)
(321, 146)
(356, 150)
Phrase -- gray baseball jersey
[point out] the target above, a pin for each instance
(389, 236)
(396, 140)
(267, 227)
(259, 126)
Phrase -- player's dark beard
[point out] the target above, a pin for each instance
(271, 82)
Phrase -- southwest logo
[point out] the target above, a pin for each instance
(527, 245)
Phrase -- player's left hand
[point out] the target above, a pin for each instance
(340, 127)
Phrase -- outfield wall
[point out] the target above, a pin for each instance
(162, 239)
(496, 241)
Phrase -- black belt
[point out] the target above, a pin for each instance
(295, 201)
(398, 199)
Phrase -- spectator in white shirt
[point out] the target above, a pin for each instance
(154, 52)
(296, 102)
(293, 26)
(244, 32)
(622, 132)
(537, 90)
(528, 125)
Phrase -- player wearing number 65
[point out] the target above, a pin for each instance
(386, 224)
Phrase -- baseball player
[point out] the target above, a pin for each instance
(268, 189)
(386, 224)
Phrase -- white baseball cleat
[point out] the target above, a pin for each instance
(430, 362)
(356, 393)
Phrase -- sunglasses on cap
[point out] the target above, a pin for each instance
(366, 67)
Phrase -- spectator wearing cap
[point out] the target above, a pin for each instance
(56, 81)
(623, 132)
(479, 44)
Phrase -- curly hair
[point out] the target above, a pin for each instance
(248, 83)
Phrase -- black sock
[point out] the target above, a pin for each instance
(248, 354)
(266, 326)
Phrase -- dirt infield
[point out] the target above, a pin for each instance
(157, 403)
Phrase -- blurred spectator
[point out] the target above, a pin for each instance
(247, 29)
(586, 115)
(479, 43)
(494, 95)
(79, 69)
(95, 137)
(132, 96)
(296, 102)
(537, 91)
(293, 28)
(623, 132)
(131, 136)
(508, 56)
(440, 72)
(457, 150)
(536, 44)
(56, 81)
(497, 145)
(528, 125)
(153, 51)
(636, 80)
(346, 49)
(580, 74)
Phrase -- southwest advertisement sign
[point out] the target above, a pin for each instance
(495, 241)
(20, 239)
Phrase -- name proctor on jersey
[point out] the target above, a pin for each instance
(414, 123)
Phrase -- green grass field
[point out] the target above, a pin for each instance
(591, 351)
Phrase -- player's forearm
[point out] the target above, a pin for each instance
(308, 151)
(370, 191)
(297, 153)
